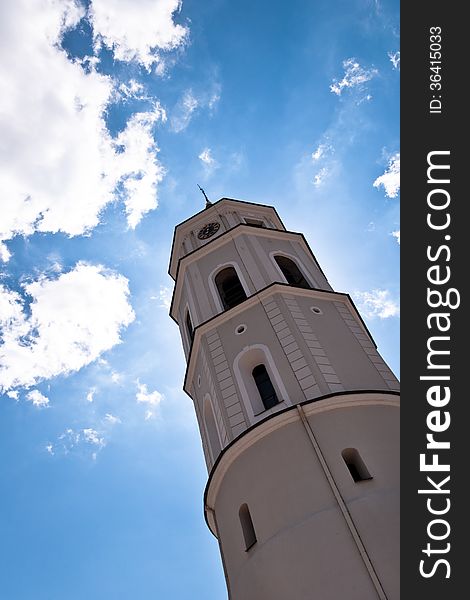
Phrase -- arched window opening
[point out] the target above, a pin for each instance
(291, 272)
(265, 387)
(230, 289)
(189, 326)
(355, 464)
(211, 429)
(246, 522)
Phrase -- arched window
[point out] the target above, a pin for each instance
(355, 464)
(246, 522)
(230, 289)
(265, 387)
(189, 326)
(211, 428)
(291, 272)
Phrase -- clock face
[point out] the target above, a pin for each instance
(208, 230)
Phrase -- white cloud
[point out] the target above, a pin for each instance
(377, 303)
(59, 166)
(133, 90)
(391, 178)
(354, 76)
(112, 419)
(144, 396)
(72, 439)
(139, 164)
(91, 436)
(135, 30)
(13, 394)
(91, 394)
(208, 161)
(50, 449)
(116, 377)
(320, 177)
(206, 157)
(396, 235)
(319, 152)
(395, 59)
(214, 99)
(11, 312)
(164, 296)
(183, 111)
(72, 320)
(149, 414)
(5, 254)
(37, 399)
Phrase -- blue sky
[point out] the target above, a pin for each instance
(112, 112)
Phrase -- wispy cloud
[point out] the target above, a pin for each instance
(321, 151)
(37, 399)
(87, 440)
(206, 157)
(112, 419)
(377, 303)
(208, 161)
(164, 297)
(354, 76)
(390, 180)
(192, 102)
(396, 235)
(144, 396)
(151, 399)
(320, 177)
(70, 321)
(395, 59)
(116, 377)
(183, 111)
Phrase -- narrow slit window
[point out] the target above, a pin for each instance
(189, 326)
(230, 289)
(291, 272)
(356, 466)
(265, 387)
(248, 529)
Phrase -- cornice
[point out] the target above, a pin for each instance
(327, 403)
(207, 213)
(225, 238)
(257, 298)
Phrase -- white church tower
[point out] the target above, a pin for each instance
(297, 410)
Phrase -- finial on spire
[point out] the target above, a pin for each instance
(208, 202)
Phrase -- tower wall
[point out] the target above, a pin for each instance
(311, 479)
(305, 548)
(302, 351)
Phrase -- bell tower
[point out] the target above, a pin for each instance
(297, 410)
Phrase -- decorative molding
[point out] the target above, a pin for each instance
(345, 400)
(364, 340)
(316, 349)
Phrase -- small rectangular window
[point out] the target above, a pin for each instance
(356, 466)
(255, 222)
(248, 529)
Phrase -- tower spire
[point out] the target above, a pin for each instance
(208, 202)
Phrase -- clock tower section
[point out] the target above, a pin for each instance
(297, 410)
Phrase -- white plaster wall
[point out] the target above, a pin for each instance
(305, 549)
